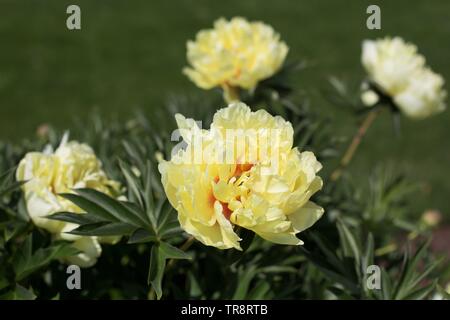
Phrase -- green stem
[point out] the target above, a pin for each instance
(151, 294)
(230, 93)
(357, 138)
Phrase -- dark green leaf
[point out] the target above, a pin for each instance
(12, 187)
(137, 212)
(421, 293)
(19, 293)
(132, 184)
(26, 262)
(159, 254)
(90, 207)
(244, 283)
(408, 272)
(259, 292)
(141, 236)
(76, 218)
(110, 205)
(348, 242)
(156, 270)
(104, 229)
(171, 252)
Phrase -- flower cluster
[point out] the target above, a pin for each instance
(399, 71)
(215, 183)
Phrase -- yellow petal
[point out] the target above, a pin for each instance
(281, 238)
(306, 216)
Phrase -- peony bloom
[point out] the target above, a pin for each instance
(234, 54)
(424, 95)
(72, 165)
(260, 183)
(399, 71)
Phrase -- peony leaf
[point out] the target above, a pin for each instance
(245, 277)
(156, 270)
(90, 207)
(142, 236)
(171, 252)
(8, 183)
(159, 254)
(349, 244)
(113, 207)
(135, 210)
(422, 293)
(134, 193)
(26, 262)
(260, 291)
(19, 293)
(104, 229)
(77, 218)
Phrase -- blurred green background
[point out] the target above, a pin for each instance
(129, 54)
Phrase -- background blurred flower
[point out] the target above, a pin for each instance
(234, 54)
(399, 71)
(213, 197)
(424, 96)
(431, 218)
(72, 165)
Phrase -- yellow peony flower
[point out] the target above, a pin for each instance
(242, 172)
(72, 165)
(234, 54)
(400, 72)
(424, 95)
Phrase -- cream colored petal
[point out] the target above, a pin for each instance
(208, 235)
(223, 191)
(39, 207)
(187, 127)
(306, 216)
(277, 226)
(230, 238)
(369, 55)
(299, 197)
(200, 79)
(90, 252)
(68, 236)
(244, 218)
(281, 238)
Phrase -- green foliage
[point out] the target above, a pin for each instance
(364, 225)
(143, 218)
(25, 261)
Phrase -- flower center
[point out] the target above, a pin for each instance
(240, 169)
(225, 210)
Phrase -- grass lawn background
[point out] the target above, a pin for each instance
(129, 54)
